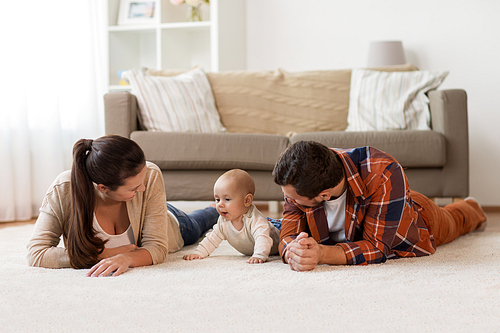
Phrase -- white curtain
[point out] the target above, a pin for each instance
(53, 81)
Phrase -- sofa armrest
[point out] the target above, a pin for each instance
(449, 117)
(120, 113)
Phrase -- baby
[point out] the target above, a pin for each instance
(240, 222)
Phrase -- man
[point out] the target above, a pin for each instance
(355, 207)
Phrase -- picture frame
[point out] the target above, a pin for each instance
(133, 12)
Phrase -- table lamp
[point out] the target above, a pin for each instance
(386, 53)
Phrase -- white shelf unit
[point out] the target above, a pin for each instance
(217, 43)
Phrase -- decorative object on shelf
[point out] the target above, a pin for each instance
(122, 82)
(194, 8)
(138, 12)
(386, 53)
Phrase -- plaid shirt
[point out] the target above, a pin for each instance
(381, 220)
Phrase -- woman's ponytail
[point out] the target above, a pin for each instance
(83, 245)
(108, 160)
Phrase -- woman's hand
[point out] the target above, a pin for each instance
(108, 253)
(120, 263)
(114, 265)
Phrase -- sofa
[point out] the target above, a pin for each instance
(266, 111)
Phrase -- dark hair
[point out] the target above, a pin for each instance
(310, 167)
(108, 160)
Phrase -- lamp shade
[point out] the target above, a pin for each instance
(386, 53)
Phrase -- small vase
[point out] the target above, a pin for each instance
(194, 13)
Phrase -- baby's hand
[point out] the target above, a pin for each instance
(192, 256)
(254, 260)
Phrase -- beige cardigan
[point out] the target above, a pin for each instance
(154, 229)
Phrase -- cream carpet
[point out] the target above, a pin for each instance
(455, 290)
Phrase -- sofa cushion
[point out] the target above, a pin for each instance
(382, 101)
(412, 149)
(208, 151)
(182, 103)
(280, 102)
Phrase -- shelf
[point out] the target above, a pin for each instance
(119, 88)
(131, 27)
(186, 49)
(131, 49)
(174, 25)
(186, 25)
(216, 43)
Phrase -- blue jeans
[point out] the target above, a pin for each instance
(194, 224)
(275, 222)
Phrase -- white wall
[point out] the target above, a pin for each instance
(461, 36)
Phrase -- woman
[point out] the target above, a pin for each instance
(111, 211)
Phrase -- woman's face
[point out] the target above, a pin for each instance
(127, 191)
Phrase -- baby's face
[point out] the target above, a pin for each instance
(229, 200)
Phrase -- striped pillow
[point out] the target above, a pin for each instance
(391, 100)
(182, 103)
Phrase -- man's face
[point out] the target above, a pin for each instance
(332, 193)
(289, 192)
